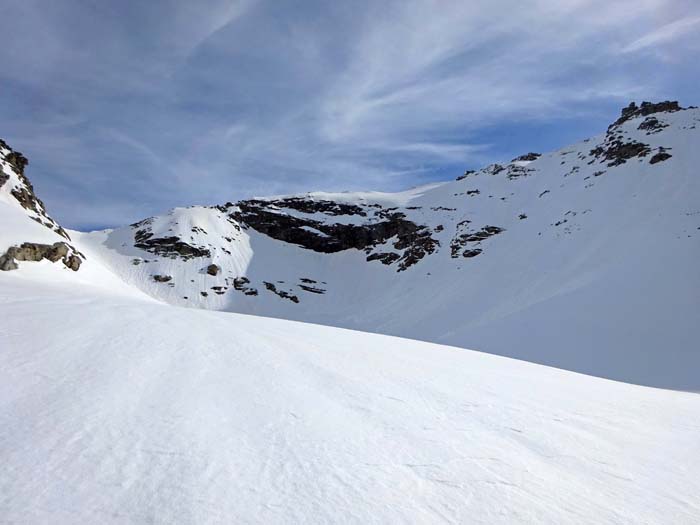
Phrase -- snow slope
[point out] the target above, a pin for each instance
(123, 410)
(584, 258)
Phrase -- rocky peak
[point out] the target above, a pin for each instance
(646, 108)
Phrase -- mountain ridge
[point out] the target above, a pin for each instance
(464, 262)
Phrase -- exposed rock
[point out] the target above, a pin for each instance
(647, 108)
(213, 269)
(162, 278)
(494, 169)
(615, 152)
(527, 157)
(7, 263)
(325, 237)
(241, 284)
(416, 245)
(310, 205)
(465, 236)
(384, 257)
(466, 174)
(281, 293)
(652, 125)
(73, 262)
(311, 289)
(171, 247)
(24, 192)
(661, 156)
(29, 251)
(515, 171)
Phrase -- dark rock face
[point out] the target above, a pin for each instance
(416, 245)
(29, 251)
(171, 247)
(652, 125)
(528, 156)
(661, 156)
(311, 289)
(468, 242)
(515, 172)
(24, 192)
(281, 293)
(615, 152)
(241, 284)
(384, 257)
(466, 174)
(494, 169)
(162, 278)
(313, 206)
(647, 108)
(330, 237)
(213, 269)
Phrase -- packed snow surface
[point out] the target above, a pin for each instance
(115, 408)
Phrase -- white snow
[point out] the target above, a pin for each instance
(611, 258)
(122, 410)
(118, 405)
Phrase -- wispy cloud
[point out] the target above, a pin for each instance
(157, 104)
(664, 34)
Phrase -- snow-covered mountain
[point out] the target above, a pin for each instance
(117, 407)
(583, 258)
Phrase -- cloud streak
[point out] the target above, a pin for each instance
(664, 34)
(158, 104)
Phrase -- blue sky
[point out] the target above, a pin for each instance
(126, 109)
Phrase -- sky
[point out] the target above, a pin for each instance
(127, 109)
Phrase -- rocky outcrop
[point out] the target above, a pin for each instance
(162, 278)
(213, 269)
(330, 237)
(384, 257)
(28, 251)
(241, 284)
(466, 174)
(514, 171)
(527, 157)
(23, 191)
(652, 125)
(661, 156)
(311, 205)
(646, 108)
(467, 242)
(311, 289)
(171, 246)
(615, 152)
(280, 293)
